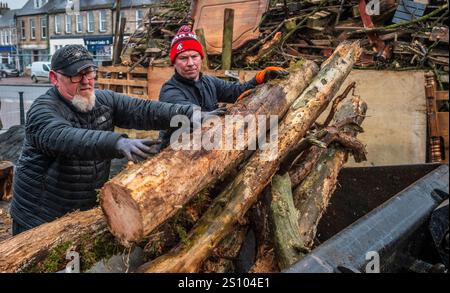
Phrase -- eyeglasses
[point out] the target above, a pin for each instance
(90, 75)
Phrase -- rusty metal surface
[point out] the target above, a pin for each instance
(208, 14)
(386, 230)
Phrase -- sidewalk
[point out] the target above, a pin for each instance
(22, 81)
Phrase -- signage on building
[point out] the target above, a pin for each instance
(7, 49)
(93, 43)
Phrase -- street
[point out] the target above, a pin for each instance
(9, 99)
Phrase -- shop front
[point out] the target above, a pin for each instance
(7, 54)
(56, 43)
(100, 47)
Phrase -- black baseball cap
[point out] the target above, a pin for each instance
(70, 60)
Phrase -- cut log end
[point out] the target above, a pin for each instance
(122, 213)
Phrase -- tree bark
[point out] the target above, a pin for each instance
(227, 42)
(284, 218)
(224, 257)
(232, 204)
(143, 196)
(265, 256)
(30, 251)
(313, 194)
(294, 240)
(201, 37)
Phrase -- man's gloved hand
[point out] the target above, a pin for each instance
(137, 149)
(270, 73)
(221, 111)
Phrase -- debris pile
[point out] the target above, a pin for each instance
(394, 34)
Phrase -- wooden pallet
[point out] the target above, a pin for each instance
(438, 136)
(117, 78)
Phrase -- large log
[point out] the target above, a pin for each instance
(44, 248)
(232, 204)
(295, 226)
(312, 196)
(87, 233)
(143, 196)
(284, 217)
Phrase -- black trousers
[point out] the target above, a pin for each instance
(17, 228)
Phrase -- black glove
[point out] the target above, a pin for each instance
(137, 149)
(204, 116)
(219, 112)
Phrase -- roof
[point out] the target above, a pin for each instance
(137, 3)
(28, 8)
(60, 5)
(7, 18)
(57, 6)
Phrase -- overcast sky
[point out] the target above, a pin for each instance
(15, 4)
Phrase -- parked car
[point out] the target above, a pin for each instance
(40, 71)
(7, 70)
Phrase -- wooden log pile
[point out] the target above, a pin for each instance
(191, 210)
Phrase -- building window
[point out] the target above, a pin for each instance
(68, 24)
(139, 17)
(1, 38)
(102, 21)
(22, 30)
(33, 28)
(8, 37)
(79, 19)
(57, 24)
(39, 3)
(90, 21)
(44, 27)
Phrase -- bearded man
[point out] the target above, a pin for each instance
(69, 141)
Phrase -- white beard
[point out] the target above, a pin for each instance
(84, 104)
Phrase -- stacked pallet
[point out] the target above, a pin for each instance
(438, 120)
(117, 78)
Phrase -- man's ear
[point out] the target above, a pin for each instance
(53, 77)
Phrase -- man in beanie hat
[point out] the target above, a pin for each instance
(189, 86)
(69, 141)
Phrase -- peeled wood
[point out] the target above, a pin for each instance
(31, 247)
(295, 229)
(313, 194)
(233, 203)
(143, 196)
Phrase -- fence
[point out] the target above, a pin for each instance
(10, 111)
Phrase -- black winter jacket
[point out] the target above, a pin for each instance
(67, 154)
(207, 92)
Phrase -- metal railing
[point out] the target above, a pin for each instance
(12, 111)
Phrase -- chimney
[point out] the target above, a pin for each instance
(3, 7)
